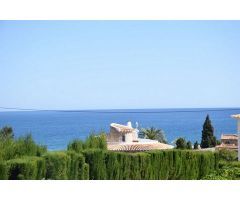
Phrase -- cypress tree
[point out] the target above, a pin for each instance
(208, 138)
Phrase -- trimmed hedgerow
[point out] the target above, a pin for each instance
(76, 166)
(3, 170)
(97, 165)
(85, 171)
(57, 164)
(159, 165)
(27, 168)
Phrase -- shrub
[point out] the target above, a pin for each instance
(228, 155)
(97, 166)
(159, 165)
(189, 145)
(85, 171)
(24, 146)
(76, 145)
(57, 165)
(3, 170)
(181, 143)
(195, 146)
(96, 142)
(27, 168)
(92, 142)
(76, 166)
(7, 149)
(6, 133)
(227, 171)
(113, 166)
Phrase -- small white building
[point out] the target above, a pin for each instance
(121, 133)
(125, 138)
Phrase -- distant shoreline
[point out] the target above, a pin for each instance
(131, 110)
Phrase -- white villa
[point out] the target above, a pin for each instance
(125, 138)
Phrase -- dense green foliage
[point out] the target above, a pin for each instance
(27, 168)
(153, 134)
(229, 167)
(56, 165)
(77, 168)
(228, 155)
(92, 142)
(189, 145)
(96, 164)
(208, 138)
(6, 133)
(195, 146)
(15, 148)
(3, 170)
(181, 143)
(65, 165)
(165, 165)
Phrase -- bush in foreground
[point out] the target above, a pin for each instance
(92, 142)
(156, 165)
(17, 148)
(28, 168)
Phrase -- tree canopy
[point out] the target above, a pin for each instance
(6, 133)
(208, 138)
(154, 134)
(181, 143)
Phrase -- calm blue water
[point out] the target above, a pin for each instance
(56, 129)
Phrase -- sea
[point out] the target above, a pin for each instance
(56, 129)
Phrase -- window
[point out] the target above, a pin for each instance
(123, 138)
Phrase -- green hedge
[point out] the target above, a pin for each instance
(65, 165)
(27, 168)
(97, 164)
(3, 170)
(85, 171)
(57, 165)
(156, 165)
(77, 168)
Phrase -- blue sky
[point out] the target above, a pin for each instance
(119, 64)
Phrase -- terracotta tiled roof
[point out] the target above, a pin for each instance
(138, 147)
(227, 146)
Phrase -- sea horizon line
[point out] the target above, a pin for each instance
(123, 110)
